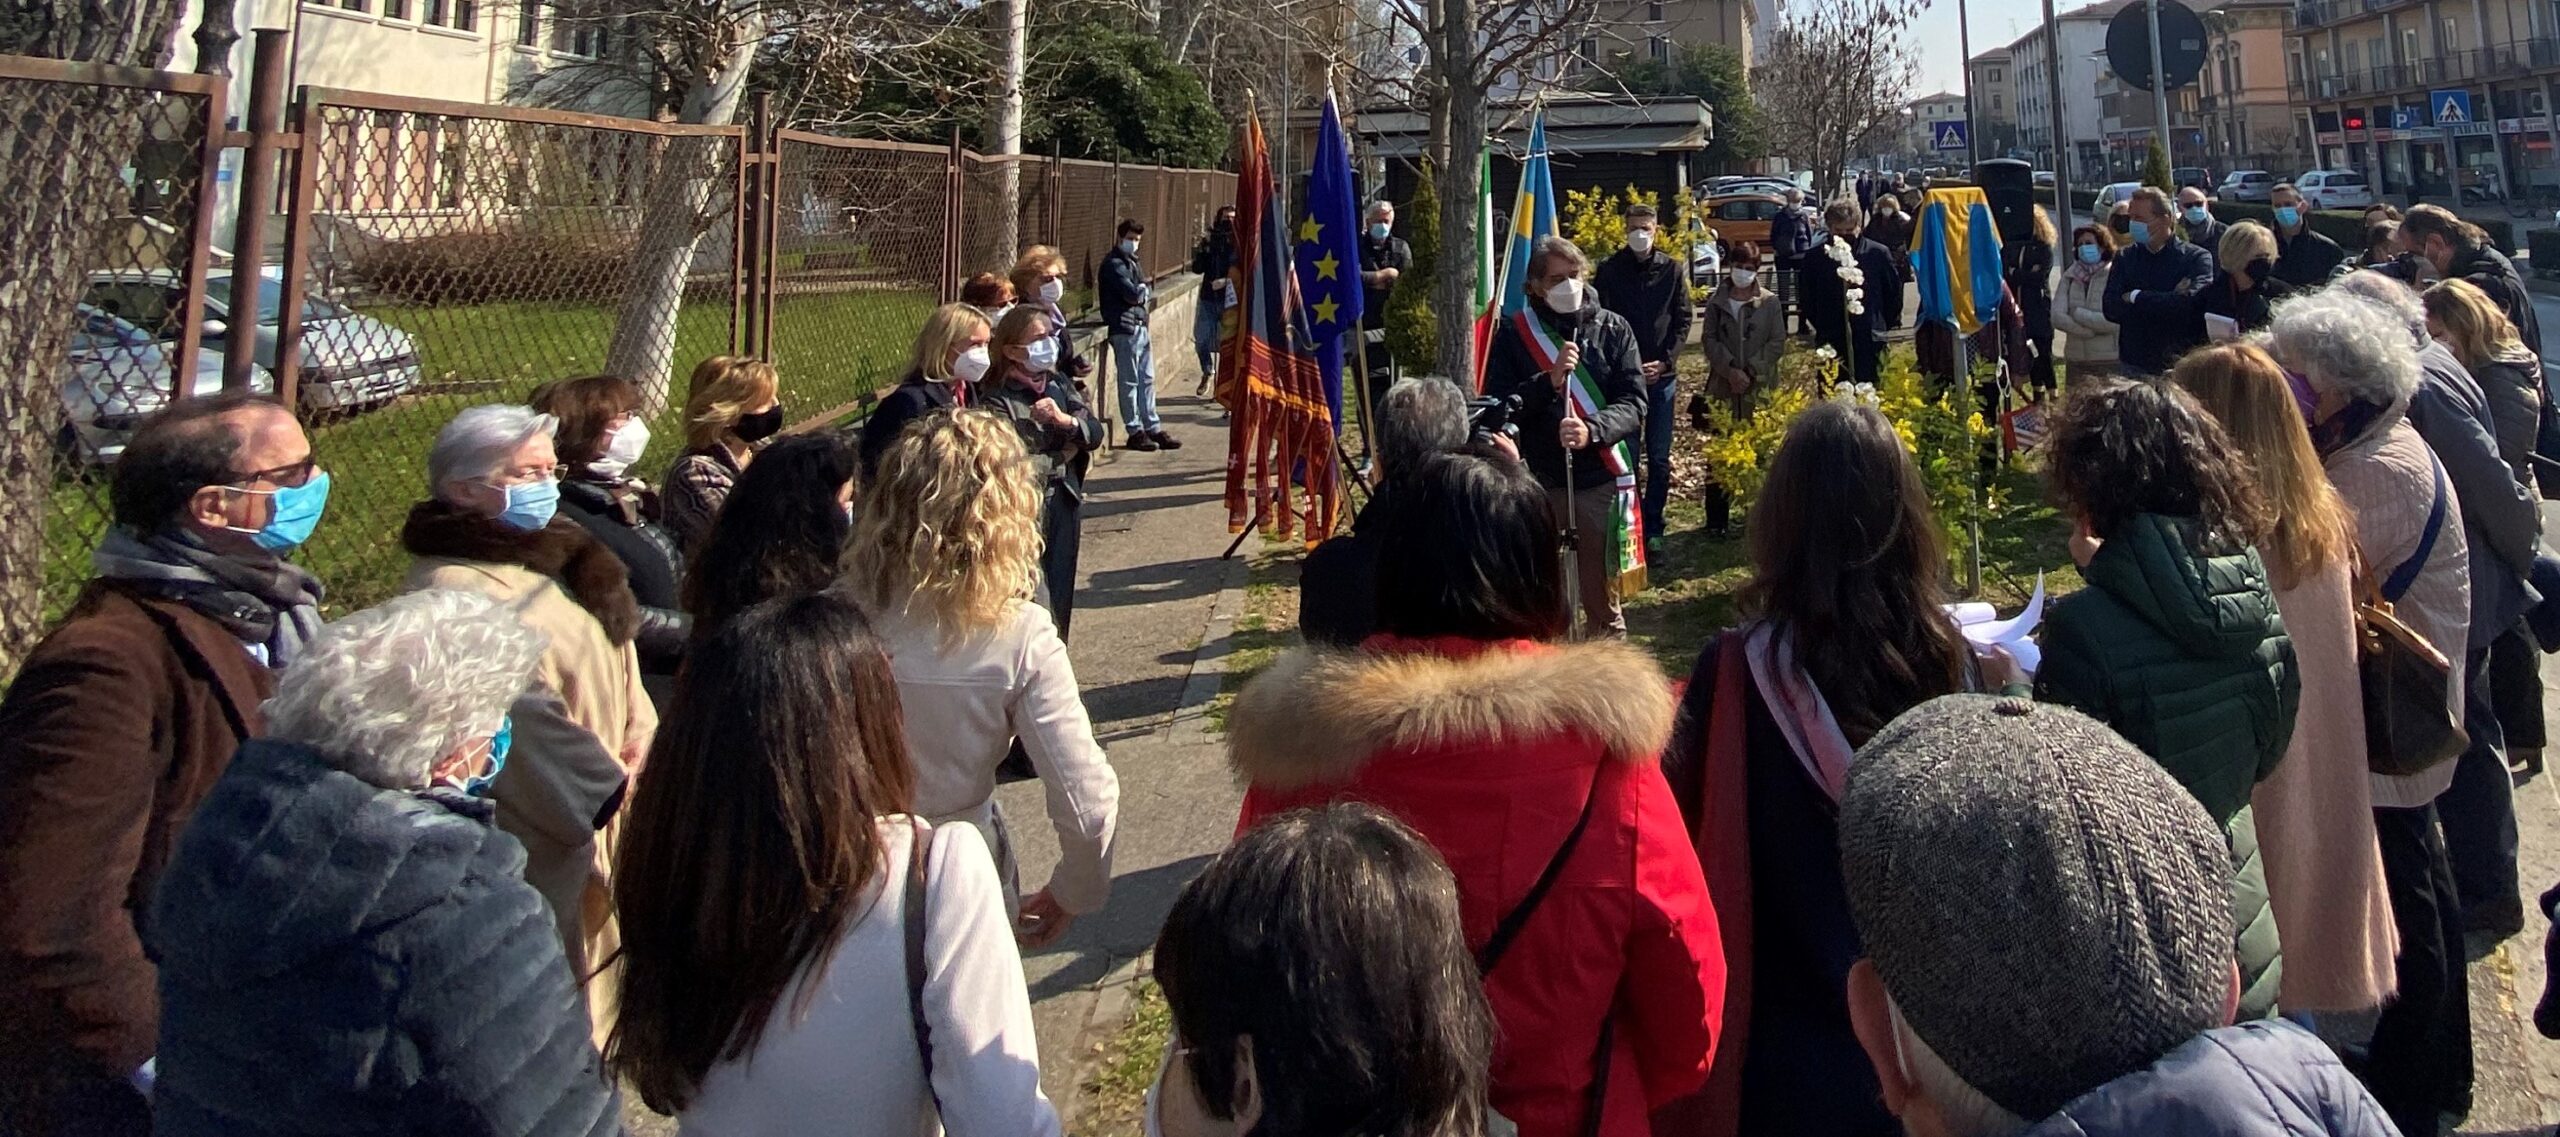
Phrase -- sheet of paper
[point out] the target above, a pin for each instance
(2220, 328)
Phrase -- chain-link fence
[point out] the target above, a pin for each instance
(102, 170)
(460, 254)
(438, 255)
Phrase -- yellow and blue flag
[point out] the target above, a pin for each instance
(1956, 260)
(1328, 254)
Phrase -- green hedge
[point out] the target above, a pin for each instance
(2545, 246)
(2346, 226)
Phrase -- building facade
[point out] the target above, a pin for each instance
(1927, 121)
(1655, 29)
(1993, 82)
(2075, 45)
(2242, 105)
(2425, 97)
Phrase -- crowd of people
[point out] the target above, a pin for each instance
(688, 788)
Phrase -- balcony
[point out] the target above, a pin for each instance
(2471, 65)
(2321, 13)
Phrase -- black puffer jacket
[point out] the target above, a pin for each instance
(625, 520)
(339, 958)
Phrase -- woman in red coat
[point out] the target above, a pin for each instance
(1530, 765)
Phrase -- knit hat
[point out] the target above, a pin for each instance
(2049, 909)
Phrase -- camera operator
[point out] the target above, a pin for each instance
(1337, 601)
(1585, 336)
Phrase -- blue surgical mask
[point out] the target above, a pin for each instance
(2141, 232)
(530, 506)
(2196, 215)
(296, 512)
(1129, 245)
(2288, 216)
(499, 743)
(1378, 231)
(2089, 255)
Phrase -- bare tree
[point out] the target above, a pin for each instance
(1836, 69)
(63, 148)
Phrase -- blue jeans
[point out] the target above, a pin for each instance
(1204, 326)
(1661, 402)
(1133, 356)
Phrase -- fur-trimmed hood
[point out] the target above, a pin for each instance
(1316, 715)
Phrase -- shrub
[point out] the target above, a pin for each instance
(2546, 252)
(517, 263)
(1413, 324)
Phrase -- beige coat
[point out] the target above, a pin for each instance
(2079, 313)
(1749, 338)
(2315, 819)
(572, 752)
(2388, 479)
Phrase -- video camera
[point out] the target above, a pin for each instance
(1489, 417)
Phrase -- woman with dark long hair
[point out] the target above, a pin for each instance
(781, 532)
(601, 438)
(768, 892)
(1843, 630)
(1518, 756)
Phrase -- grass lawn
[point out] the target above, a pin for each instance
(832, 348)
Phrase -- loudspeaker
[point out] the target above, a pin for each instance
(2011, 186)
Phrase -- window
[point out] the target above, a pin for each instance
(1658, 48)
(1589, 52)
(2354, 56)
(1995, 74)
(529, 23)
(1653, 12)
(1995, 100)
(352, 5)
(395, 9)
(2448, 36)
(2409, 45)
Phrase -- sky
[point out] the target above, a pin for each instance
(1996, 23)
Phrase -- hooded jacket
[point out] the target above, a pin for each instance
(1490, 750)
(340, 958)
(2182, 652)
(2259, 1079)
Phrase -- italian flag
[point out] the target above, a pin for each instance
(1488, 277)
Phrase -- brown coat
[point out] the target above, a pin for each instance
(1750, 339)
(114, 730)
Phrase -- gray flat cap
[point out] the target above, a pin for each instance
(2048, 907)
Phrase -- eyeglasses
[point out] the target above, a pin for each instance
(292, 475)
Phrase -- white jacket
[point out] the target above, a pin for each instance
(2079, 313)
(964, 707)
(850, 1065)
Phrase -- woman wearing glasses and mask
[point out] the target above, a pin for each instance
(492, 526)
(1058, 431)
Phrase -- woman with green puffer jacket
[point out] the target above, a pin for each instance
(2176, 642)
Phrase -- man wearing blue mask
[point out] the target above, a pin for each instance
(2196, 221)
(2151, 291)
(120, 722)
(1384, 259)
(2304, 259)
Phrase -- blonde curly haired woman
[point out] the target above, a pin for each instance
(943, 559)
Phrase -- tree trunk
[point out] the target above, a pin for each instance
(674, 216)
(62, 149)
(217, 29)
(1004, 135)
(1457, 126)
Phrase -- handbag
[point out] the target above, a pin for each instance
(918, 852)
(2409, 724)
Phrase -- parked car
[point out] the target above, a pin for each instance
(2043, 179)
(2334, 189)
(1706, 264)
(1739, 217)
(2196, 176)
(1722, 187)
(2246, 185)
(2112, 195)
(116, 374)
(349, 360)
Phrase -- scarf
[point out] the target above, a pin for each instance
(269, 603)
(2346, 427)
(1802, 714)
(562, 550)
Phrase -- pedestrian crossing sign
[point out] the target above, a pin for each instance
(1949, 134)
(2452, 108)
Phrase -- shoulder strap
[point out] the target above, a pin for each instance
(918, 852)
(1508, 928)
(2407, 574)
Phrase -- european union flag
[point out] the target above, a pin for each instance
(1328, 254)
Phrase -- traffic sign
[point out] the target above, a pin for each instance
(2408, 117)
(2181, 44)
(2453, 108)
(1949, 135)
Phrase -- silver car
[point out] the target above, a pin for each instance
(349, 360)
(116, 374)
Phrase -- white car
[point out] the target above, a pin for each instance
(349, 360)
(116, 374)
(2246, 185)
(2112, 195)
(1707, 264)
(2334, 189)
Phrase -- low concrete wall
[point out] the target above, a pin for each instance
(1169, 328)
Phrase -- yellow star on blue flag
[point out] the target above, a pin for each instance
(1329, 240)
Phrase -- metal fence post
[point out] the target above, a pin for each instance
(257, 198)
(301, 202)
(1057, 175)
(952, 218)
(216, 124)
(745, 249)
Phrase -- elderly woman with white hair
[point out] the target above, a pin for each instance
(346, 944)
(2355, 367)
(490, 525)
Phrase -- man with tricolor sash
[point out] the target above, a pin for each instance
(1575, 368)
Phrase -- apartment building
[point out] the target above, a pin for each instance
(2423, 95)
(1993, 80)
(2075, 45)
(1654, 29)
(1927, 115)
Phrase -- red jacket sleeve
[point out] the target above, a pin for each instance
(1673, 993)
(78, 766)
